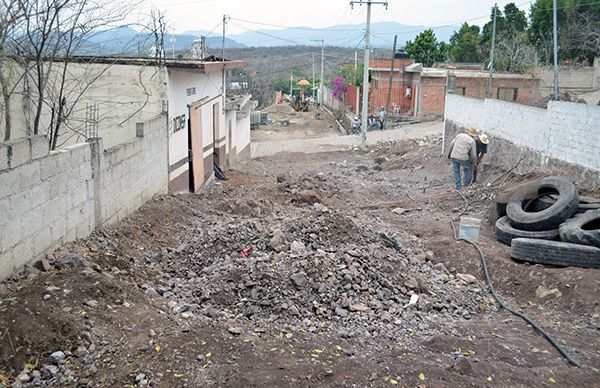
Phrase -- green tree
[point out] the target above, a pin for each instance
(426, 49)
(513, 51)
(464, 44)
(515, 19)
(540, 28)
(351, 76)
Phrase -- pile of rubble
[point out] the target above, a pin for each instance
(318, 270)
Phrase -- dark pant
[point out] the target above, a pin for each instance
(467, 167)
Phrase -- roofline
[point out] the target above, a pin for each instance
(193, 64)
(434, 72)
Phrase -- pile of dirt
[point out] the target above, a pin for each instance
(317, 270)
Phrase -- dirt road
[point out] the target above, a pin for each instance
(166, 298)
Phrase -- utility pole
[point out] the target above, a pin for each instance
(491, 65)
(321, 91)
(291, 81)
(313, 77)
(389, 96)
(355, 60)
(223, 73)
(365, 99)
(555, 33)
(172, 41)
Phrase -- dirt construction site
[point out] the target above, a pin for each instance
(337, 268)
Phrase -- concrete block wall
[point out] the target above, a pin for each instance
(575, 133)
(562, 139)
(50, 198)
(131, 173)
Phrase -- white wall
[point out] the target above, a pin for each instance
(565, 131)
(242, 134)
(124, 94)
(48, 199)
(184, 88)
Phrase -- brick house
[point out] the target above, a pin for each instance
(420, 91)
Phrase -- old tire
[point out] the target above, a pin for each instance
(583, 229)
(564, 207)
(543, 202)
(555, 253)
(505, 232)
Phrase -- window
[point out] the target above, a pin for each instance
(460, 90)
(507, 94)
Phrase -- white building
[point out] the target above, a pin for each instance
(126, 91)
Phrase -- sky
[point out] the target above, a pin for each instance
(184, 15)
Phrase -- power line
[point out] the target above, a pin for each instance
(266, 34)
(294, 28)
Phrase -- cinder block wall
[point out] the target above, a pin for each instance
(49, 198)
(562, 139)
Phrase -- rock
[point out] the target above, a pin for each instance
(308, 196)
(91, 303)
(421, 258)
(92, 370)
(52, 288)
(23, 377)
(57, 358)
(297, 247)
(399, 210)
(467, 278)
(358, 307)
(341, 312)
(542, 291)
(411, 283)
(299, 279)
(74, 260)
(278, 242)
(293, 310)
(46, 296)
(235, 330)
(45, 264)
(49, 371)
(139, 377)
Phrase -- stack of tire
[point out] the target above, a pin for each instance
(555, 227)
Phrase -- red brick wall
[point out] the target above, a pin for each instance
(433, 92)
(379, 91)
(351, 96)
(476, 87)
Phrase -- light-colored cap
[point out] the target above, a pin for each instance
(484, 138)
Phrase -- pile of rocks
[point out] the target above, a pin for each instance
(319, 270)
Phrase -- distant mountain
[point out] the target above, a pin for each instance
(343, 35)
(127, 41)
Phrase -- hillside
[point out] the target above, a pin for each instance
(277, 62)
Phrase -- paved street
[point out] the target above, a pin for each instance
(336, 143)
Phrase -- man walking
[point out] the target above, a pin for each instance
(382, 114)
(463, 155)
(355, 125)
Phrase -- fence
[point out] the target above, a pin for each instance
(563, 138)
(50, 198)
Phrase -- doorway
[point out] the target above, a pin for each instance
(195, 151)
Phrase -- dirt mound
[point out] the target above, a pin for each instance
(319, 270)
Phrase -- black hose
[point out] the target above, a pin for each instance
(488, 280)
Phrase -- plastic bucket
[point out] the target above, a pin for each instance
(469, 228)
